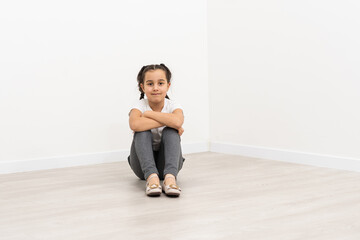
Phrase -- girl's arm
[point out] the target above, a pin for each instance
(140, 123)
(173, 120)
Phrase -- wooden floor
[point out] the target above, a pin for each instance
(223, 197)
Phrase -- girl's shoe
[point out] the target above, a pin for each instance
(154, 189)
(172, 189)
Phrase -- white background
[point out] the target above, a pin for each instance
(270, 74)
(286, 75)
(68, 72)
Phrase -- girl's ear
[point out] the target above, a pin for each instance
(142, 87)
(169, 85)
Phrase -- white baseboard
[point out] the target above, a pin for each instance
(195, 147)
(319, 160)
(61, 161)
(82, 159)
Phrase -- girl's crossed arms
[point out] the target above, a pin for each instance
(151, 119)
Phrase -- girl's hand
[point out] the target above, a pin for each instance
(180, 130)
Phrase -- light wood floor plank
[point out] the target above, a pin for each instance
(223, 197)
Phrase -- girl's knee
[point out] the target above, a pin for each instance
(143, 134)
(169, 131)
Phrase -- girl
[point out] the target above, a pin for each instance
(157, 124)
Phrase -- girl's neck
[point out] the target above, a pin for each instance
(157, 107)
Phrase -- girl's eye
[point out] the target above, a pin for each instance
(161, 83)
(149, 84)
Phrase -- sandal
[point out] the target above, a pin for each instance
(172, 189)
(154, 189)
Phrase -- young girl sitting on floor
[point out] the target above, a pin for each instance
(157, 124)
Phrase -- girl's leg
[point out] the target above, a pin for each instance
(170, 158)
(141, 157)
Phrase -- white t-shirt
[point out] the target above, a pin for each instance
(169, 107)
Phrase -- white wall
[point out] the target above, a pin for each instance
(68, 73)
(283, 78)
(284, 75)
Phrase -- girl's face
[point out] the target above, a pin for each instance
(155, 85)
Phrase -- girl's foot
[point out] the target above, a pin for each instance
(153, 187)
(169, 186)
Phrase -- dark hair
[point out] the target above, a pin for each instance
(144, 69)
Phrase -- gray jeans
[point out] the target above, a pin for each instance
(144, 161)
